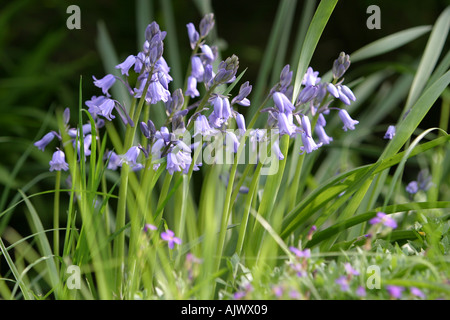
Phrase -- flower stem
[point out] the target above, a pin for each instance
(56, 215)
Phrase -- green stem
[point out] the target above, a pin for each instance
(119, 241)
(251, 194)
(56, 216)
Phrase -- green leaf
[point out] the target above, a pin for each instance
(430, 56)
(318, 23)
(389, 43)
(364, 217)
(406, 127)
(110, 60)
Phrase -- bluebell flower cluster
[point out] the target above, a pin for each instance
(77, 138)
(213, 119)
(294, 116)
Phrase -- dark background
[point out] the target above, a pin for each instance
(41, 60)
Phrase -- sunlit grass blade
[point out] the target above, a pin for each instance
(389, 43)
(418, 111)
(283, 12)
(110, 59)
(430, 56)
(44, 245)
(15, 272)
(318, 23)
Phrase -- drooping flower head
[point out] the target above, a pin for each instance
(349, 123)
(390, 133)
(41, 144)
(58, 161)
(105, 83)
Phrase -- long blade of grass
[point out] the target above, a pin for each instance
(364, 217)
(318, 23)
(14, 271)
(110, 60)
(389, 43)
(44, 244)
(430, 56)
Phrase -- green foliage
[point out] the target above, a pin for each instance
(234, 243)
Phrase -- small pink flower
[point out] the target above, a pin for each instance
(170, 238)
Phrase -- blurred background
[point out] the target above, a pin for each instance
(41, 62)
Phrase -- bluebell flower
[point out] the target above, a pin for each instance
(222, 110)
(155, 38)
(321, 120)
(412, 187)
(283, 104)
(240, 122)
(130, 157)
(311, 77)
(156, 91)
(178, 160)
(87, 140)
(306, 125)
(285, 124)
(66, 115)
(285, 78)
(322, 135)
(192, 87)
(41, 144)
(208, 75)
(156, 151)
(345, 94)
(175, 102)
(126, 65)
(197, 68)
(192, 34)
(333, 90)
(105, 109)
(256, 136)
(114, 161)
(232, 142)
(241, 98)
(309, 144)
(206, 24)
(58, 161)
(140, 61)
(276, 149)
(202, 127)
(227, 69)
(105, 83)
(349, 123)
(102, 106)
(307, 94)
(340, 65)
(207, 53)
(390, 133)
